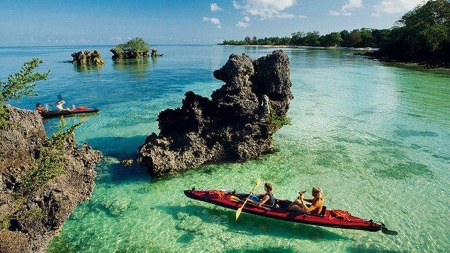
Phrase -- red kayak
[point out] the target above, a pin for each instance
(330, 218)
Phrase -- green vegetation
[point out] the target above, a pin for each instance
(275, 121)
(422, 35)
(18, 85)
(49, 161)
(134, 48)
(50, 158)
(357, 38)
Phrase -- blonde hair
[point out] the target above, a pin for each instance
(318, 190)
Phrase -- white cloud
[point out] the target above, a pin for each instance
(247, 19)
(215, 21)
(333, 13)
(215, 7)
(236, 5)
(346, 9)
(286, 15)
(302, 16)
(242, 24)
(352, 5)
(265, 9)
(395, 6)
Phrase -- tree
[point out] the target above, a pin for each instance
(134, 48)
(367, 39)
(22, 83)
(423, 35)
(298, 38)
(312, 39)
(355, 38)
(18, 85)
(381, 37)
(248, 41)
(331, 40)
(345, 35)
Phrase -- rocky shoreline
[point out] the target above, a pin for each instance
(237, 124)
(31, 218)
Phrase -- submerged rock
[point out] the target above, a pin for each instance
(237, 124)
(32, 218)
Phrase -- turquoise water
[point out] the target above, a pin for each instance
(375, 137)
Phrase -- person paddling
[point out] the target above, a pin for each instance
(266, 198)
(316, 206)
(40, 108)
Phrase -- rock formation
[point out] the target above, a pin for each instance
(155, 52)
(29, 220)
(128, 54)
(236, 125)
(87, 57)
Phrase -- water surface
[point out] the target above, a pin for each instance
(374, 137)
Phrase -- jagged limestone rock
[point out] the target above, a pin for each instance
(231, 126)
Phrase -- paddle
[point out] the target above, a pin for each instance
(238, 212)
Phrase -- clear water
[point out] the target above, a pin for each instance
(375, 137)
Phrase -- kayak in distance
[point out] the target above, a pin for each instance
(329, 218)
(67, 112)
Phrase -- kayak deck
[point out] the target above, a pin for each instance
(330, 218)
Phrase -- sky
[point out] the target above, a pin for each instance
(111, 22)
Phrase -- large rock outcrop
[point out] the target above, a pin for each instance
(30, 218)
(237, 124)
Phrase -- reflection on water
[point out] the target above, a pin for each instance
(135, 65)
(87, 67)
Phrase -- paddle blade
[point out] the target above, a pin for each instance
(257, 183)
(238, 212)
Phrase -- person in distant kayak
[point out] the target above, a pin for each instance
(316, 206)
(40, 108)
(60, 104)
(264, 198)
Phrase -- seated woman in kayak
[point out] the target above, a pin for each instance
(264, 198)
(316, 206)
(60, 106)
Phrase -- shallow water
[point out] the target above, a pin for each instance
(374, 137)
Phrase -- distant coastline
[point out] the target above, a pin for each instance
(308, 47)
(422, 37)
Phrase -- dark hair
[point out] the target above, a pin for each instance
(268, 186)
(38, 104)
